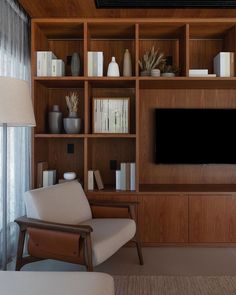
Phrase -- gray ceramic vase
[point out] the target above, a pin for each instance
(72, 124)
(55, 120)
(75, 64)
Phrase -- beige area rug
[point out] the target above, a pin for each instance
(175, 285)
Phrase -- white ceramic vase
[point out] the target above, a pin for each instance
(127, 65)
(113, 68)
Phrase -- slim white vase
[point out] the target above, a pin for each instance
(113, 68)
(127, 65)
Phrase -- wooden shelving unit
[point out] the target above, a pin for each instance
(168, 194)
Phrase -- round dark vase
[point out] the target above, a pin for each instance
(55, 120)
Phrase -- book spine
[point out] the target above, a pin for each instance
(225, 64)
(100, 64)
(132, 177)
(54, 68)
(39, 58)
(118, 180)
(232, 70)
(49, 177)
(90, 63)
(90, 180)
(198, 72)
(127, 176)
(123, 176)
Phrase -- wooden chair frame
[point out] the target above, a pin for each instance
(84, 231)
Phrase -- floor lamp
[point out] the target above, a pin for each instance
(16, 110)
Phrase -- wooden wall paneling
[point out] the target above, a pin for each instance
(40, 154)
(164, 218)
(60, 160)
(180, 98)
(87, 8)
(212, 218)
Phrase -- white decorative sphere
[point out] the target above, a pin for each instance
(69, 175)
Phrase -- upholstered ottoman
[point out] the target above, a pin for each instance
(55, 283)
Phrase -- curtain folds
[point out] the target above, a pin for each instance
(14, 62)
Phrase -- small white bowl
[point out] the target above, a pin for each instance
(69, 175)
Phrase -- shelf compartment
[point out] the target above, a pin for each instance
(45, 98)
(169, 39)
(61, 82)
(102, 150)
(205, 44)
(54, 152)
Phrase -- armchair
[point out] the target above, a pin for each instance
(60, 226)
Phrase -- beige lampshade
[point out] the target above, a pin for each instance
(16, 107)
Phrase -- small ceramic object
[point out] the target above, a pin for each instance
(168, 75)
(72, 125)
(155, 73)
(55, 120)
(113, 68)
(127, 64)
(75, 64)
(69, 175)
(145, 73)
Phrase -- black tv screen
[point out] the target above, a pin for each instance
(195, 136)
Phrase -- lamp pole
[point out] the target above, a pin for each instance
(4, 195)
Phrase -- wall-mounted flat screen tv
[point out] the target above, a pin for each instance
(195, 136)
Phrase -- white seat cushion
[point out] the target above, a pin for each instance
(109, 234)
(58, 283)
(62, 203)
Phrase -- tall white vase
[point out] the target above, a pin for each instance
(127, 64)
(113, 68)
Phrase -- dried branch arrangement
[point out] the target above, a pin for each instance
(151, 59)
(72, 101)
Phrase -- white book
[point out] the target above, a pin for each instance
(222, 64)
(95, 63)
(90, 180)
(58, 68)
(90, 63)
(49, 177)
(198, 72)
(39, 58)
(132, 177)
(118, 180)
(100, 64)
(123, 176)
(208, 75)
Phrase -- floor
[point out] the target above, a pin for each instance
(158, 261)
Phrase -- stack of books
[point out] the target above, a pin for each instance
(48, 64)
(224, 64)
(125, 177)
(95, 176)
(95, 63)
(111, 115)
(200, 73)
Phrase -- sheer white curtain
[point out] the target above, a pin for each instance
(14, 62)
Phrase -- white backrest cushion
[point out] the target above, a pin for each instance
(62, 203)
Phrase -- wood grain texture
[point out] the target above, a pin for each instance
(212, 219)
(163, 218)
(177, 174)
(87, 8)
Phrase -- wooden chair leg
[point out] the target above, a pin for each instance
(20, 249)
(139, 250)
(88, 253)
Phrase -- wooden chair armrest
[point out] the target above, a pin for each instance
(111, 203)
(25, 222)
